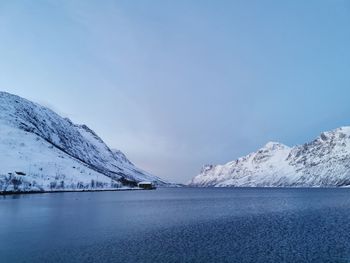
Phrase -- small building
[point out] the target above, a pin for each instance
(146, 185)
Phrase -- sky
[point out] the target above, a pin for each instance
(179, 84)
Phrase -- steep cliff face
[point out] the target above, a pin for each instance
(324, 162)
(48, 151)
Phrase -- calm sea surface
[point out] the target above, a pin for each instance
(178, 225)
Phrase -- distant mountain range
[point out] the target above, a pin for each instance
(324, 162)
(41, 151)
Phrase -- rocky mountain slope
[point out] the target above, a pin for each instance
(324, 162)
(41, 151)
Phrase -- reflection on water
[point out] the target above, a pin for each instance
(178, 225)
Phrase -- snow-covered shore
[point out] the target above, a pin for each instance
(72, 191)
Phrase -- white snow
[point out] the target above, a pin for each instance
(45, 167)
(41, 151)
(324, 162)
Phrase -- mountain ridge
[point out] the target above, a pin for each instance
(27, 127)
(323, 162)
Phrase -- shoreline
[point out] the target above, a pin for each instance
(70, 191)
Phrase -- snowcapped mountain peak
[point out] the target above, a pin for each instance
(343, 129)
(52, 151)
(322, 162)
(274, 146)
(336, 134)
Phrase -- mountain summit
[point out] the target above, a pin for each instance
(41, 151)
(324, 162)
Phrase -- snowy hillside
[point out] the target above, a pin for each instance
(324, 162)
(39, 150)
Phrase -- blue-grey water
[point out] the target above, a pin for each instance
(178, 225)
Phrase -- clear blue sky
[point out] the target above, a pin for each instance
(178, 84)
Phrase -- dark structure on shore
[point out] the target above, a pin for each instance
(146, 185)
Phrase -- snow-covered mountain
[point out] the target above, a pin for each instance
(41, 151)
(324, 162)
